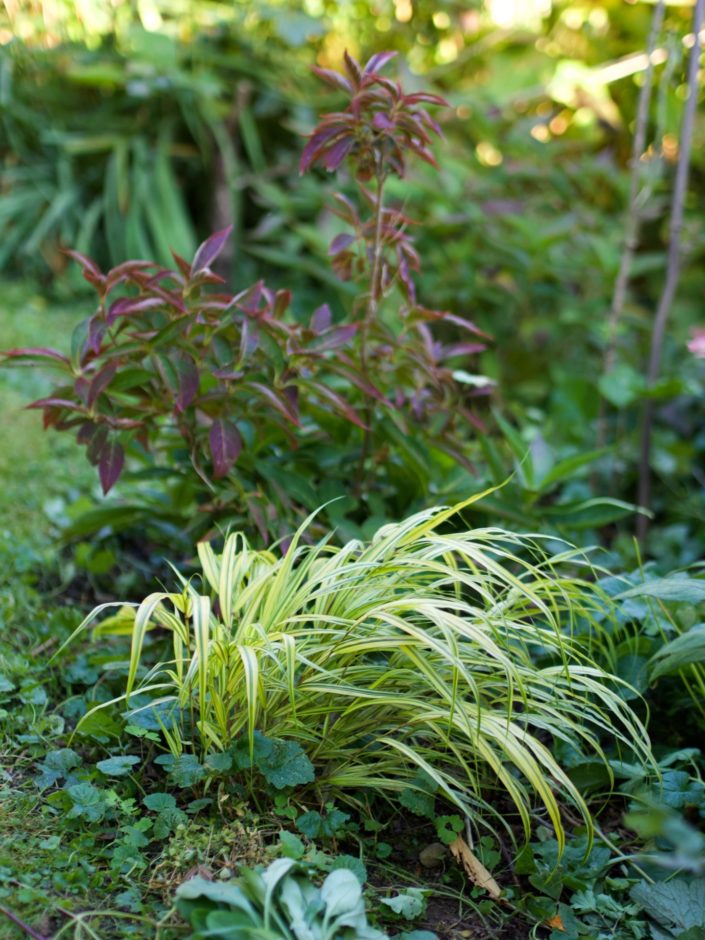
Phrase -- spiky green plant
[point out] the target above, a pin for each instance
(449, 654)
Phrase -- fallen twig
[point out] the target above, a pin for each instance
(30, 931)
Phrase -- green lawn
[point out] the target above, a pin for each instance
(37, 468)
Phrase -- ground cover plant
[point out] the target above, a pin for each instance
(324, 690)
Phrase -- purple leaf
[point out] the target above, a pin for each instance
(35, 352)
(353, 67)
(127, 271)
(91, 271)
(291, 393)
(283, 407)
(209, 250)
(112, 460)
(333, 78)
(465, 324)
(382, 122)
(96, 331)
(188, 380)
(95, 445)
(101, 380)
(86, 432)
(124, 423)
(377, 62)
(249, 299)
(340, 243)
(226, 444)
(81, 386)
(321, 319)
(228, 373)
(339, 404)
(361, 382)
(407, 280)
(335, 155)
(124, 306)
(53, 402)
(426, 97)
(333, 338)
(463, 349)
(181, 264)
(317, 143)
(422, 152)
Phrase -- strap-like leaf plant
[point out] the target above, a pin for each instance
(426, 654)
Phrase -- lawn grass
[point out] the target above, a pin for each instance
(36, 467)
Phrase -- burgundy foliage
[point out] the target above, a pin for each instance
(170, 363)
(171, 354)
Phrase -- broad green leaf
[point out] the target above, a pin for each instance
(159, 802)
(56, 766)
(677, 904)
(292, 846)
(409, 904)
(353, 864)
(565, 469)
(117, 766)
(622, 386)
(684, 650)
(89, 802)
(676, 588)
(341, 892)
(418, 802)
(284, 764)
(185, 770)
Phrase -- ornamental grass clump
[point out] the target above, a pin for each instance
(424, 660)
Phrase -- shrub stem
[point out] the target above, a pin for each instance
(673, 266)
(370, 316)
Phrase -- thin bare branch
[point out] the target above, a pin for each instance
(633, 215)
(674, 263)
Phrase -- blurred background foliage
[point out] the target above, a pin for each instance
(130, 128)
